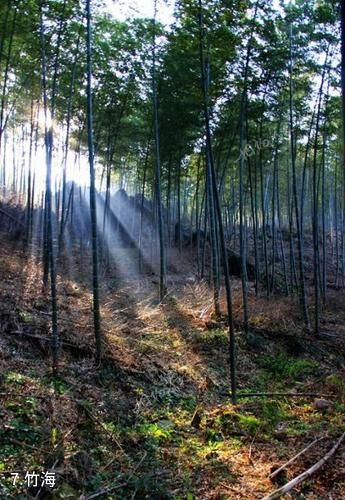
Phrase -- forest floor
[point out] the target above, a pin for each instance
(155, 420)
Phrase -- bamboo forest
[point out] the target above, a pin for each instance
(172, 258)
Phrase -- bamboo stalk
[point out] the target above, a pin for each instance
(306, 474)
(294, 458)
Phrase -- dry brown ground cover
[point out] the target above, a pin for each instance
(155, 420)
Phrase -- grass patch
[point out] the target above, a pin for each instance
(282, 366)
(216, 338)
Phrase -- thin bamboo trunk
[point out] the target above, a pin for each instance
(93, 213)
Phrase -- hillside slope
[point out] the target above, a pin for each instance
(155, 420)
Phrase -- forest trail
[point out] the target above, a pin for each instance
(133, 422)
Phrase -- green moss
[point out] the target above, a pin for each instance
(249, 423)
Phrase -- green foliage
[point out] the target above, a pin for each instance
(216, 338)
(15, 378)
(213, 436)
(66, 491)
(339, 407)
(336, 383)
(57, 383)
(274, 412)
(25, 317)
(147, 484)
(228, 422)
(20, 427)
(281, 366)
(159, 431)
(122, 57)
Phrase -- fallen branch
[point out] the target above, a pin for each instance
(14, 395)
(69, 320)
(99, 423)
(26, 445)
(284, 395)
(38, 494)
(306, 474)
(276, 472)
(250, 451)
(40, 337)
(105, 491)
(48, 313)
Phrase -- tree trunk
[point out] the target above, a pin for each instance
(93, 213)
(48, 139)
(301, 288)
(162, 257)
(219, 214)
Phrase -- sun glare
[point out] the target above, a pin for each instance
(75, 165)
(44, 119)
